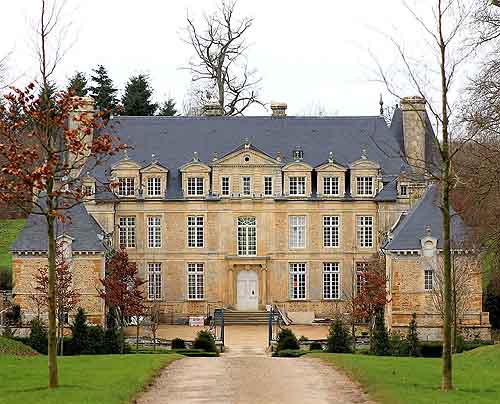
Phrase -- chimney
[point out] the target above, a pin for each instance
(414, 128)
(85, 106)
(213, 109)
(278, 109)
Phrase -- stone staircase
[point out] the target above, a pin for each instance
(246, 317)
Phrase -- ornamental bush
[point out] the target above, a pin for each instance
(315, 346)
(38, 338)
(178, 343)
(379, 341)
(79, 328)
(339, 338)
(205, 340)
(412, 337)
(286, 340)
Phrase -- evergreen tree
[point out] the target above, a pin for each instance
(412, 337)
(102, 90)
(80, 332)
(167, 108)
(137, 98)
(379, 342)
(339, 338)
(78, 84)
(46, 97)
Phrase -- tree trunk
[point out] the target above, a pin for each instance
(137, 335)
(52, 340)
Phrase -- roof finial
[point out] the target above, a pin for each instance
(381, 103)
(125, 154)
(428, 230)
(278, 156)
(330, 157)
(363, 154)
(153, 158)
(247, 143)
(195, 156)
(215, 156)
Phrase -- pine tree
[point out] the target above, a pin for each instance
(339, 338)
(80, 332)
(137, 98)
(102, 90)
(78, 84)
(412, 337)
(379, 342)
(167, 108)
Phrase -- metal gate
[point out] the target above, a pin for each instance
(275, 324)
(217, 326)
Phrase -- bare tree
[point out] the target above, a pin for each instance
(153, 323)
(446, 29)
(219, 69)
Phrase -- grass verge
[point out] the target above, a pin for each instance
(417, 380)
(109, 379)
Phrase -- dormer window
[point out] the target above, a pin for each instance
(364, 186)
(195, 186)
(403, 190)
(297, 185)
(331, 185)
(88, 190)
(126, 186)
(154, 186)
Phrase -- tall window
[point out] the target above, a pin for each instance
(331, 185)
(195, 281)
(297, 185)
(297, 231)
(247, 238)
(428, 279)
(364, 185)
(195, 231)
(154, 232)
(127, 231)
(360, 276)
(331, 231)
(268, 186)
(154, 281)
(195, 186)
(297, 280)
(246, 184)
(154, 186)
(126, 186)
(365, 231)
(331, 280)
(224, 186)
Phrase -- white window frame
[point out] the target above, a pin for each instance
(126, 186)
(361, 268)
(364, 230)
(195, 281)
(297, 280)
(154, 186)
(405, 188)
(127, 237)
(247, 236)
(331, 183)
(365, 185)
(195, 186)
(225, 189)
(155, 285)
(246, 185)
(428, 281)
(331, 231)
(297, 231)
(297, 185)
(154, 231)
(196, 231)
(331, 280)
(268, 186)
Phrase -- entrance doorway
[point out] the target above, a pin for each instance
(247, 290)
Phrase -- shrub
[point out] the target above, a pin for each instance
(398, 345)
(114, 342)
(289, 353)
(379, 341)
(178, 343)
(460, 344)
(204, 340)
(339, 338)
(286, 340)
(14, 315)
(5, 279)
(431, 349)
(79, 329)
(315, 346)
(412, 336)
(95, 341)
(38, 339)
(303, 338)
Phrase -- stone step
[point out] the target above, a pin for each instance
(245, 317)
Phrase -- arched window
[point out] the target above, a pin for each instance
(247, 236)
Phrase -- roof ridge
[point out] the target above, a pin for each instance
(291, 117)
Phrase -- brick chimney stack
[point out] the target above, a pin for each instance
(414, 129)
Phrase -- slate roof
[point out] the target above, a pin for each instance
(174, 139)
(82, 228)
(425, 213)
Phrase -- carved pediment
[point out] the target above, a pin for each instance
(195, 167)
(125, 164)
(364, 164)
(246, 156)
(297, 166)
(329, 167)
(154, 168)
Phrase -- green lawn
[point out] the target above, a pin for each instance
(8, 233)
(105, 379)
(417, 380)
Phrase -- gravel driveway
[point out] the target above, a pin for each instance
(249, 376)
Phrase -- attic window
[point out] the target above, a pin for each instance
(126, 186)
(403, 190)
(246, 158)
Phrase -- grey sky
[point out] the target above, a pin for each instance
(309, 53)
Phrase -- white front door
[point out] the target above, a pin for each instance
(248, 290)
